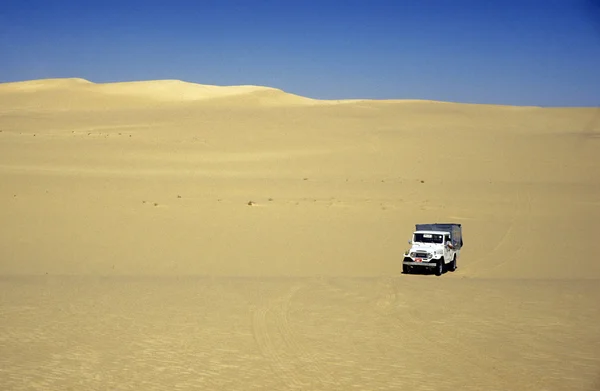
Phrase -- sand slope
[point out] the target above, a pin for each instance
(80, 94)
(129, 204)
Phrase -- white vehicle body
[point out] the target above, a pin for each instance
(433, 249)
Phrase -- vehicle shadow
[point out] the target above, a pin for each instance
(423, 271)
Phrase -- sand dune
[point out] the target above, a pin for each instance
(164, 234)
(80, 94)
(44, 84)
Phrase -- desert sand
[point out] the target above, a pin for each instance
(163, 235)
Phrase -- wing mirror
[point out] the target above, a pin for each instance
(410, 242)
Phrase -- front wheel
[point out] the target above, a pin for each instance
(439, 268)
(405, 269)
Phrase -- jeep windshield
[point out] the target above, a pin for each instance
(429, 238)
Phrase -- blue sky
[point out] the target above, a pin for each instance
(543, 52)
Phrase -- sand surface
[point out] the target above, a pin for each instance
(166, 235)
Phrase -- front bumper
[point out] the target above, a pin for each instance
(433, 263)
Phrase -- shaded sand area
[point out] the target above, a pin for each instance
(167, 235)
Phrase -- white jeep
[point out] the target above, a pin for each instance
(434, 246)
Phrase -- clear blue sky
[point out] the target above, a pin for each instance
(543, 52)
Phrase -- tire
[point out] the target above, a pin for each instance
(453, 265)
(439, 267)
(405, 268)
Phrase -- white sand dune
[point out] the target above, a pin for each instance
(163, 234)
(80, 94)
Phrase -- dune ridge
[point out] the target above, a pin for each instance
(156, 90)
(182, 91)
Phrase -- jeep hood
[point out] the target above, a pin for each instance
(426, 247)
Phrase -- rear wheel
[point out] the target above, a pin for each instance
(453, 264)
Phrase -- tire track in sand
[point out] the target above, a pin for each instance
(524, 220)
(306, 359)
(521, 216)
(268, 350)
(293, 362)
